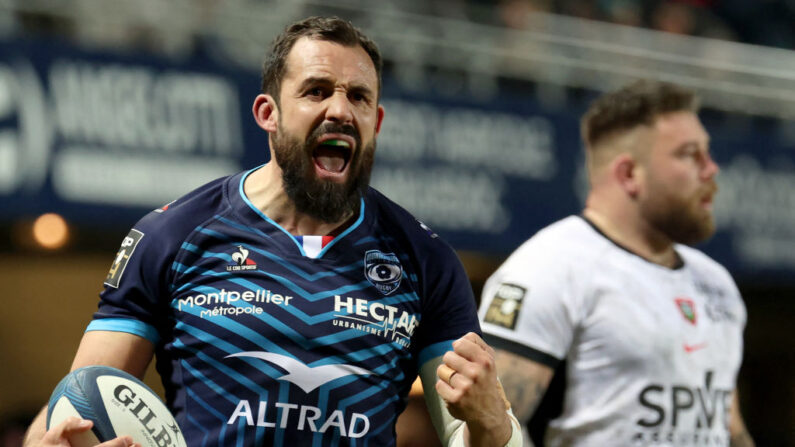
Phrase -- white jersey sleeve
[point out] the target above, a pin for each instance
(533, 303)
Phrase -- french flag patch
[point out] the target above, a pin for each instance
(313, 245)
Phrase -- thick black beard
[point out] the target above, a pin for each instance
(324, 200)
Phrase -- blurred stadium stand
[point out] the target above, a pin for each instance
(535, 61)
(515, 39)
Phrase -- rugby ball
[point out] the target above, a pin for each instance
(118, 403)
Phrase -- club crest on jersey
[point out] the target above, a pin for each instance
(383, 270)
(242, 262)
(504, 308)
(687, 308)
(122, 257)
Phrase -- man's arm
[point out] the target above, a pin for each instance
(467, 407)
(737, 431)
(120, 350)
(524, 381)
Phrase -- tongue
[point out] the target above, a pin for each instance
(330, 158)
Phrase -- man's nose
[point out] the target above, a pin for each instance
(339, 108)
(710, 168)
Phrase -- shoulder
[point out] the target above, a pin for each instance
(172, 223)
(396, 222)
(703, 264)
(559, 264)
(436, 266)
(570, 243)
(712, 278)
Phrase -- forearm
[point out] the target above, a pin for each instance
(117, 349)
(741, 439)
(525, 383)
(500, 433)
(37, 429)
(738, 433)
(462, 437)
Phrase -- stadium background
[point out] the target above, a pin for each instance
(110, 108)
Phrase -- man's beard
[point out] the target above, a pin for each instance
(681, 219)
(324, 200)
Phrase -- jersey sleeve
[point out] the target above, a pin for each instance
(137, 292)
(529, 305)
(449, 309)
(136, 287)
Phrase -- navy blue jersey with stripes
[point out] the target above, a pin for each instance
(259, 344)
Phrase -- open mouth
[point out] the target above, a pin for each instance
(706, 202)
(333, 155)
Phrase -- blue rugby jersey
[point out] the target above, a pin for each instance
(258, 344)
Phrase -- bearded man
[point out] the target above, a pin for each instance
(650, 328)
(292, 305)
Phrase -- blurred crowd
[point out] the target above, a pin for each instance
(761, 22)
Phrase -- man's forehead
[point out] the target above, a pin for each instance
(681, 119)
(310, 57)
(680, 124)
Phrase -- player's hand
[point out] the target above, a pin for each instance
(59, 435)
(468, 384)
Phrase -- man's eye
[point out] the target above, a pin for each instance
(688, 154)
(317, 91)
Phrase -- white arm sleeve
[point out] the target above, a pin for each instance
(445, 424)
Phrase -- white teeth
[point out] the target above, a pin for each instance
(336, 142)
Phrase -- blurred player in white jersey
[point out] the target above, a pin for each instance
(650, 328)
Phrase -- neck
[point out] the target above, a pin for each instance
(265, 190)
(625, 226)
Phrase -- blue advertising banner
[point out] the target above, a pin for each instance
(105, 137)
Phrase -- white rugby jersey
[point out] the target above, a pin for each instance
(652, 352)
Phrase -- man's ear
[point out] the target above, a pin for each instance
(379, 119)
(628, 174)
(266, 113)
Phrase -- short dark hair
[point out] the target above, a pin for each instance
(332, 29)
(638, 103)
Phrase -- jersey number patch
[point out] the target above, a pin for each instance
(504, 308)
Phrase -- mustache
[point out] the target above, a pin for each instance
(325, 128)
(711, 188)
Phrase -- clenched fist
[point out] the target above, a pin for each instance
(469, 386)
